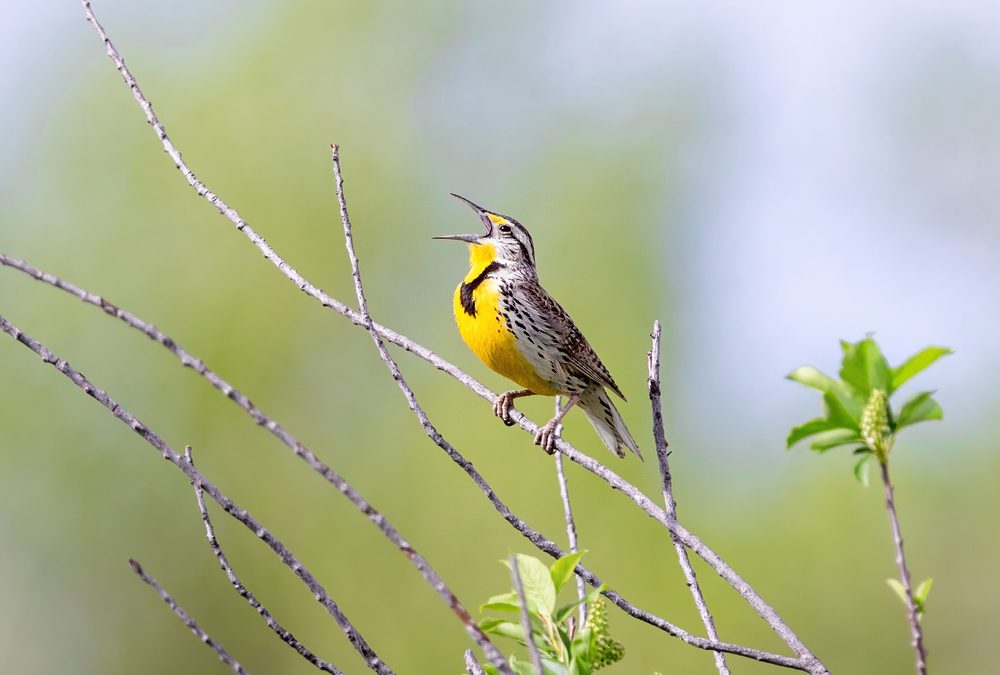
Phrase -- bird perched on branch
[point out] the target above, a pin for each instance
(518, 330)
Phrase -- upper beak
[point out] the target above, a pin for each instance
(470, 238)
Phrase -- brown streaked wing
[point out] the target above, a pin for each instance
(562, 335)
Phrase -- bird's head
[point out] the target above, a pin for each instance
(504, 242)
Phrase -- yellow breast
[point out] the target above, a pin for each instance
(487, 335)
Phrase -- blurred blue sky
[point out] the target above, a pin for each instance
(853, 146)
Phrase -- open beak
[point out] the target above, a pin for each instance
(470, 238)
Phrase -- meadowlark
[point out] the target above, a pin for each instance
(518, 330)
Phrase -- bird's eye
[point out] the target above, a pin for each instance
(505, 229)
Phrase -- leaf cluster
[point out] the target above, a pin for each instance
(566, 647)
(856, 407)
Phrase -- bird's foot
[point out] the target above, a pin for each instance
(503, 405)
(547, 435)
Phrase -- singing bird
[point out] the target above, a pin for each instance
(518, 330)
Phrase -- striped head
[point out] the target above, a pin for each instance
(505, 244)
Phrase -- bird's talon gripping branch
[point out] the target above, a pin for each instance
(547, 435)
(503, 405)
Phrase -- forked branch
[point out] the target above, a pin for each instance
(372, 660)
(535, 537)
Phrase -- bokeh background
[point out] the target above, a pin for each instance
(765, 178)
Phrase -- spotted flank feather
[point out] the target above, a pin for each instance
(549, 339)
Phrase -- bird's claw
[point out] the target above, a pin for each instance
(546, 437)
(502, 407)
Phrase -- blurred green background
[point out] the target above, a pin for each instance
(765, 179)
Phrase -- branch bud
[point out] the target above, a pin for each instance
(875, 424)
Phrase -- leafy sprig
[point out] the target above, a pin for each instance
(856, 408)
(566, 648)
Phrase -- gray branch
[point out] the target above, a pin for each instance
(660, 439)
(472, 666)
(916, 632)
(477, 634)
(581, 588)
(806, 659)
(245, 592)
(237, 397)
(539, 540)
(223, 655)
(199, 480)
(529, 636)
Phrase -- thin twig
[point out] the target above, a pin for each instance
(581, 587)
(472, 666)
(916, 631)
(197, 478)
(223, 655)
(241, 400)
(669, 503)
(539, 540)
(529, 636)
(475, 632)
(245, 592)
(806, 659)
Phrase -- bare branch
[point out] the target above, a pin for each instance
(472, 666)
(477, 634)
(245, 592)
(300, 450)
(807, 660)
(540, 541)
(198, 479)
(916, 632)
(581, 588)
(529, 636)
(436, 436)
(188, 621)
(660, 440)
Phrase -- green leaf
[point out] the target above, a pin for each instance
(521, 667)
(865, 368)
(490, 669)
(861, 468)
(811, 377)
(897, 587)
(843, 409)
(505, 602)
(825, 440)
(808, 429)
(509, 629)
(562, 569)
(923, 590)
(582, 649)
(916, 363)
(918, 408)
(552, 667)
(539, 591)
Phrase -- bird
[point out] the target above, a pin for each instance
(518, 330)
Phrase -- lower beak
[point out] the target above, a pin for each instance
(470, 238)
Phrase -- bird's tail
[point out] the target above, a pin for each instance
(608, 422)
